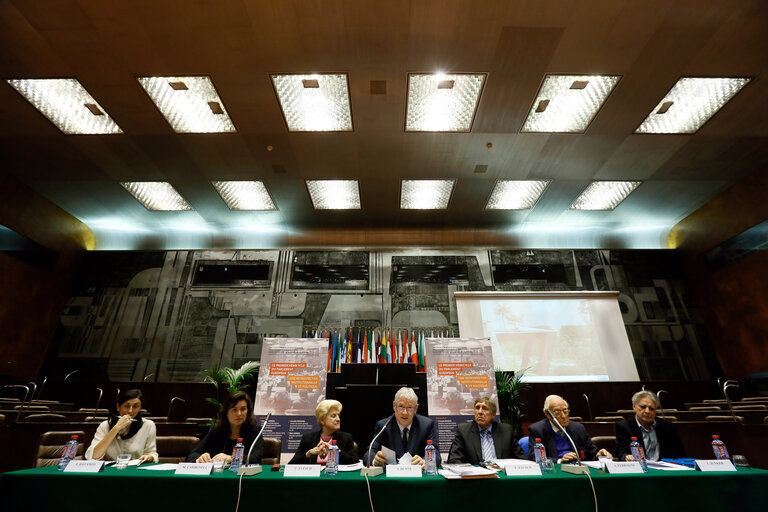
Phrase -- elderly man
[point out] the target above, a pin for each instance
(406, 432)
(484, 439)
(555, 443)
(658, 437)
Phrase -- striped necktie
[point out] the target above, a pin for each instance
(486, 440)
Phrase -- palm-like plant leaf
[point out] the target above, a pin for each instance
(215, 375)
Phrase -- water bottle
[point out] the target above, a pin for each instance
(70, 452)
(332, 465)
(638, 453)
(540, 453)
(237, 455)
(721, 452)
(430, 456)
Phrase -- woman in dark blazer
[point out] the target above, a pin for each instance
(313, 448)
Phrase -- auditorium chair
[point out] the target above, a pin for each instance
(50, 447)
(755, 399)
(46, 417)
(607, 442)
(2, 419)
(750, 407)
(157, 419)
(669, 418)
(91, 410)
(614, 419)
(705, 408)
(272, 448)
(765, 420)
(739, 419)
(175, 448)
(27, 407)
(577, 419)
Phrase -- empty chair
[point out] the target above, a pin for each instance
(750, 407)
(577, 419)
(200, 421)
(705, 408)
(156, 419)
(50, 447)
(669, 418)
(523, 442)
(272, 449)
(607, 442)
(626, 411)
(94, 419)
(765, 420)
(175, 448)
(667, 410)
(715, 401)
(739, 419)
(609, 418)
(91, 410)
(2, 419)
(755, 399)
(27, 407)
(45, 416)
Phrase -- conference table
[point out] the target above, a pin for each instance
(135, 489)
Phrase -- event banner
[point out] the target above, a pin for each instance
(458, 371)
(292, 381)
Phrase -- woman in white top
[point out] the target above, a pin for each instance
(125, 432)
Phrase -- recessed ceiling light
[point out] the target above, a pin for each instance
(425, 194)
(66, 103)
(690, 104)
(604, 195)
(334, 194)
(515, 194)
(156, 195)
(568, 103)
(244, 195)
(442, 103)
(190, 104)
(314, 103)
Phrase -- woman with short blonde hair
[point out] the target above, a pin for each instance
(314, 446)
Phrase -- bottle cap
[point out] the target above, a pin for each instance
(74, 437)
(429, 441)
(239, 439)
(634, 439)
(715, 436)
(538, 439)
(333, 441)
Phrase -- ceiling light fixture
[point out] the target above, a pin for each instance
(516, 194)
(439, 102)
(690, 103)
(334, 194)
(190, 104)
(66, 103)
(425, 194)
(245, 195)
(568, 103)
(156, 195)
(314, 103)
(604, 195)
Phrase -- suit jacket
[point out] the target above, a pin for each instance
(310, 439)
(543, 430)
(217, 441)
(670, 445)
(466, 443)
(422, 429)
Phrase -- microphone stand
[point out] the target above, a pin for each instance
(376, 470)
(570, 468)
(248, 469)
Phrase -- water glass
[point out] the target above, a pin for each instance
(218, 465)
(547, 466)
(603, 459)
(740, 461)
(122, 460)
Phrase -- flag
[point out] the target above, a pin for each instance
(330, 355)
(334, 354)
(414, 352)
(350, 348)
(383, 352)
(359, 351)
(422, 360)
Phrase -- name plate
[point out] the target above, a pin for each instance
(302, 470)
(84, 466)
(193, 468)
(623, 467)
(519, 469)
(715, 465)
(404, 471)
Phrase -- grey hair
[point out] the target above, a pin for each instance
(487, 400)
(549, 398)
(407, 394)
(645, 394)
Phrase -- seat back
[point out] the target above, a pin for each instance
(609, 418)
(45, 416)
(739, 419)
(175, 449)
(605, 442)
(523, 442)
(27, 407)
(50, 447)
(2, 419)
(705, 408)
(272, 449)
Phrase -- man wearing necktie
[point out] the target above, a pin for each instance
(484, 439)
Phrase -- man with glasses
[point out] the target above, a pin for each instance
(484, 439)
(554, 440)
(659, 437)
(406, 432)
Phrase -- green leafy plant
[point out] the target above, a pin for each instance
(227, 380)
(510, 386)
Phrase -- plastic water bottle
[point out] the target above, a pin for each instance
(237, 455)
(540, 453)
(430, 456)
(70, 452)
(638, 453)
(721, 452)
(332, 465)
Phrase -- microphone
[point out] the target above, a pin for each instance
(373, 471)
(248, 469)
(570, 468)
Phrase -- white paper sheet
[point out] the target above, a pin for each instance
(160, 467)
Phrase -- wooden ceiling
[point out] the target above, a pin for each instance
(651, 44)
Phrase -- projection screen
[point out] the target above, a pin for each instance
(561, 336)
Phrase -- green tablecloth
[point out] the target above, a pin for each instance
(137, 490)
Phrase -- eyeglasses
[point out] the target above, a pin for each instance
(561, 412)
(649, 407)
(400, 408)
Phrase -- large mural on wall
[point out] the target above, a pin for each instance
(165, 316)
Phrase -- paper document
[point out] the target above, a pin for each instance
(594, 464)
(667, 466)
(160, 467)
(502, 462)
(351, 467)
(406, 459)
(454, 471)
(389, 454)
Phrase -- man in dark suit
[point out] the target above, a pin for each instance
(406, 432)
(555, 443)
(484, 439)
(658, 437)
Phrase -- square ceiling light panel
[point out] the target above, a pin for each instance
(66, 103)
(604, 195)
(690, 103)
(440, 102)
(568, 103)
(334, 194)
(425, 194)
(314, 103)
(190, 104)
(156, 195)
(515, 194)
(244, 195)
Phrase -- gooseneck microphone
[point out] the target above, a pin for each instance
(373, 471)
(570, 468)
(248, 469)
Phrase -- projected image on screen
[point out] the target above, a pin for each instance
(561, 338)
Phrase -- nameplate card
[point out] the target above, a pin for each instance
(620, 468)
(302, 470)
(193, 468)
(715, 465)
(521, 469)
(403, 471)
(84, 466)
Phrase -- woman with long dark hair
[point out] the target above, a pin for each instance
(235, 420)
(125, 432)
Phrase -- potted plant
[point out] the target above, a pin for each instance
(227, 380)
(510, 386)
